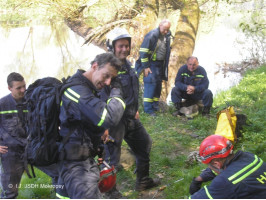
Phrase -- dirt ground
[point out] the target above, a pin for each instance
(127, 160)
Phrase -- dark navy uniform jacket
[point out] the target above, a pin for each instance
(198, 79)
(84, 112)
(12, 122)
(130, 84)
(146, 50)
(243, 178)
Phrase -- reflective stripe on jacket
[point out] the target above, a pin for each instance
(198, 79)
(147, 50)
(130, 84)
(84, 112)
(243, 178)
(12, 127)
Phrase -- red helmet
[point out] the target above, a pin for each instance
(107, 179)
(214, 146)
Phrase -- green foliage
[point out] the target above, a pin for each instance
(20, 12)
(16, 13)
(249, 98)
(253, 26)
(36, 188)
(172, 139)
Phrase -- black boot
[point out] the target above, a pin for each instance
(113, 194)
(206, 111)
(143, 181)
(177, 107)
(147, 183)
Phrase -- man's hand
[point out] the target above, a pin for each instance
(147, 71)
(207, 175)
(137, 115)
(3, 149)
(194, 186)
(105, 136)
(190, 89)
(116, 83)
(116, 87)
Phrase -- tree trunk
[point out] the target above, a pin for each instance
(184, 37)
(183, 43)
(78, 26)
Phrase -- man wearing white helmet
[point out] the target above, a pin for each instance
(129, 128)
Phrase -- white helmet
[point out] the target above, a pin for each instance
(117, 34)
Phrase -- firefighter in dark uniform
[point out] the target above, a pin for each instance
(12, 135)
(191, 83)
(129, 128)
(13, 138)
(240, 176)
(154, 58)
(87, 117)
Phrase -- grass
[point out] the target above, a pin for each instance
(173, 141)
(36, 188)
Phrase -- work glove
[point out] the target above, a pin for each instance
(100, 150)
(116, 83)
(194, 186)
(207, 175)
(116, 88)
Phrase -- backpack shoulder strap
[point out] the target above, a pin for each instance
(69, 84)
(63, 88)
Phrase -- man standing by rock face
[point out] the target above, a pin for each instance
(154, 58)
